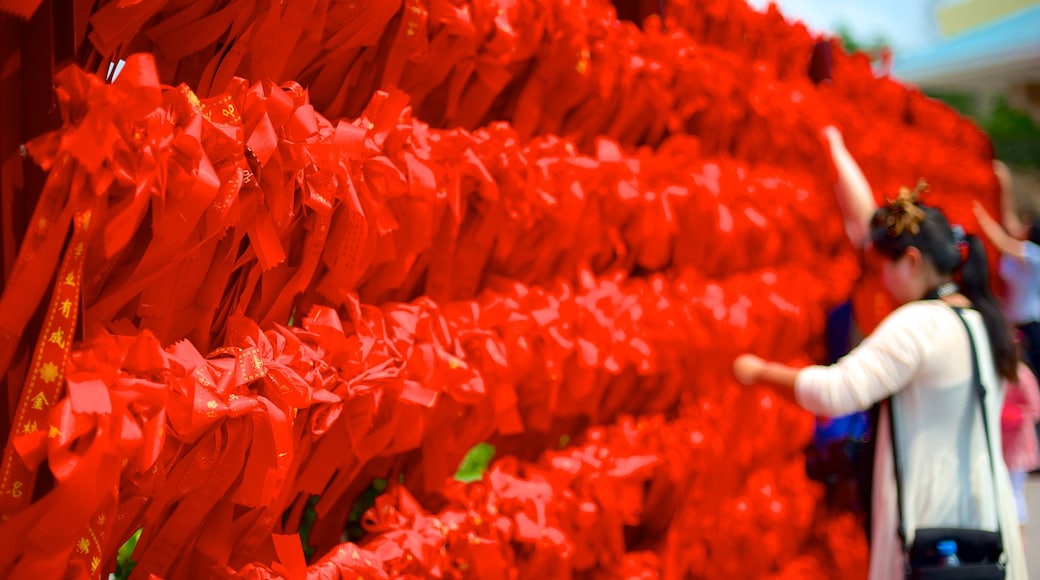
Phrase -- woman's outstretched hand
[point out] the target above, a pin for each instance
(750, 369)
(747, 368)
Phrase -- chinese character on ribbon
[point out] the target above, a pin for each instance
(39, 401)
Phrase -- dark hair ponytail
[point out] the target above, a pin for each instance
(974, 282)
(907, 223)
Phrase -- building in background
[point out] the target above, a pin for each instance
(988, 49)
(986, 62)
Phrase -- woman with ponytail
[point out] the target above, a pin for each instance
(1019, 247)
(919, 360)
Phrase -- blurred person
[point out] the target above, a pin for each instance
(1018, 421)
(842, 453)
(920, 357)
(1020, 270)
(850, 321)
(1010, 218)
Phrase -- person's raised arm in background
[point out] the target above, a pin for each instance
(997, 235)
(1009, 218)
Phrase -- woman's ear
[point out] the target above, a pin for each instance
(914, 258)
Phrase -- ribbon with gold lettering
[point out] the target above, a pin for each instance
(45, 384)
(37, 258)
(92, 548)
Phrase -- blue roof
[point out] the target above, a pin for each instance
(1015, 37)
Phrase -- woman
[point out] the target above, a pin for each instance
(1020, 270)
(1018, 425)
(920, 356)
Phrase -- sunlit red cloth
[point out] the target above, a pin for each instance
(384, 206)
(533, 222)
(274, 414)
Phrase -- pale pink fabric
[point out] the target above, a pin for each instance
(1020, 445)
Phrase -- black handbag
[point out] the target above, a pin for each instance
(980, 552)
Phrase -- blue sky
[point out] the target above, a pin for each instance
(906, 24)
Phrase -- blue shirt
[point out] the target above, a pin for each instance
(1022, 277)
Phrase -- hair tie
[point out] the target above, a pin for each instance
(903, 213)
(961, 240)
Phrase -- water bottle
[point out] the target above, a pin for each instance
(948, 554)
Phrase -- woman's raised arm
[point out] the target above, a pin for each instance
(855, 197)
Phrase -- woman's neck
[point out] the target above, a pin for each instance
(948, 291)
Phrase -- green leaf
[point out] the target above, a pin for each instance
(475, 463)
(124, 565)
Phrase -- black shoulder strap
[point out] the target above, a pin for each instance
(980, 389)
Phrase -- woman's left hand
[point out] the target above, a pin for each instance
(747, 367)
